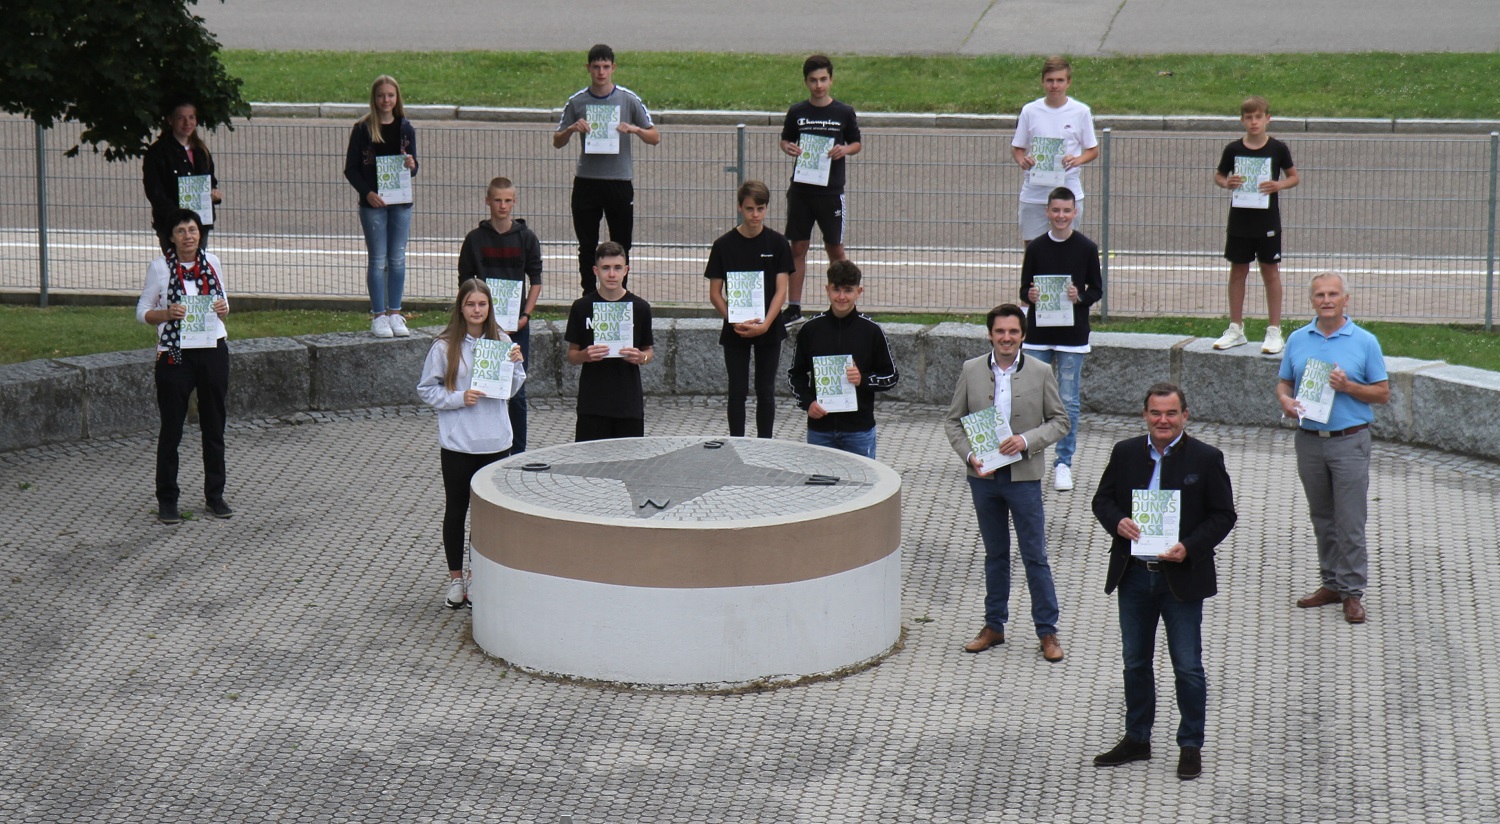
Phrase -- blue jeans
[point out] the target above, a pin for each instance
(1144, 596)
(516, 406)
(1068, 366)
(996, 498)
(859, 443)
(385, 239)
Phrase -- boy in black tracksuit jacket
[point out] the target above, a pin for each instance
(842, 330)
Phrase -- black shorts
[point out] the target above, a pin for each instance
(804, 209)
(1247, 249)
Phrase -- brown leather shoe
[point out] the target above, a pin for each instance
(1321, 598)
(985, 639)
(1051, 650)
(1354, 611)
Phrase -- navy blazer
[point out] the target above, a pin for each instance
(1207, 509)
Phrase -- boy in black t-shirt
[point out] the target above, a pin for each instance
(807, 203)
(751, 252)
(1255, 227)
(611, 403)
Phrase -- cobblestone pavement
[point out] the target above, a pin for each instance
(296, 664)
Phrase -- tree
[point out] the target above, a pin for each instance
(114, 66)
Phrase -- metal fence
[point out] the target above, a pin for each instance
(931, 215)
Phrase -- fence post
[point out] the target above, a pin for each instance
(41, 211)
(1489, 277)
(739, 167)
(1104, 235)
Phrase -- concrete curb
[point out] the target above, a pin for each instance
(1434, 404)
(904, 120)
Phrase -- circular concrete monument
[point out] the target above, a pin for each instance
(687, 563)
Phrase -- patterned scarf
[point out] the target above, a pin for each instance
(208, 284)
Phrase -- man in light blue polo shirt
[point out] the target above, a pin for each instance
(1333, 458)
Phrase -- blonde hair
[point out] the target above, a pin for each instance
(372, 120)
(453, 334)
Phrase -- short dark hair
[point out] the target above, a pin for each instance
(758, 192)
(601, 52)
(499, 183)
(1062, 193)
(1005, 310)
(609, 248)
(844, 273)
(182, 216)
(1161, 389)
(815, 62)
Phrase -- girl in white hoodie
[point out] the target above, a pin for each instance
(473, 429)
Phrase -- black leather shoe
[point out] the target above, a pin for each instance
(1190, 763)
(1126, 751)
(168, 514)
(219, 509)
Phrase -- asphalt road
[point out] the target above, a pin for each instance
(1077, 27)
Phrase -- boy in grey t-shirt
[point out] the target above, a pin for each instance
(602, 186)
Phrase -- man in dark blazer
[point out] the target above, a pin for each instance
(1024, 389)
(1172, 586)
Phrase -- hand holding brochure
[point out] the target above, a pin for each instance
(196, 192)
(1052, 306)
(1048, 154)
(745, 292)
(196, 333)
(1255, 171)
(1314, 392)
(831, 382)
(604, 129)
(986, 430)
(1158, 513)
(392, 179)
(493, 369)
(814, 164)
(614, 326)
(506, 295)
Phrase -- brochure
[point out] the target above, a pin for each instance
(196, 192)
(507, 301)
(493, 368)
(1052, 306)
(1255, 171)
(392, 179)
(1048, 154)
(1314, 392)
(831, 381)
(614, 325)
(745, 293)
(986, 430)
(604, 129)
(814, 164)
(196, 332)
(1157, 513)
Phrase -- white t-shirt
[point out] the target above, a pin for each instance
(1073, 122)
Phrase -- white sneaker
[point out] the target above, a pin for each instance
(1062, 477)
(398, 325)
(458, 594)
(1232, 337)
(1274, 342)
(380, 327)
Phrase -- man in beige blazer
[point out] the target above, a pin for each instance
(1024, 392)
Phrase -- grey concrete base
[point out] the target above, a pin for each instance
(1432, 403)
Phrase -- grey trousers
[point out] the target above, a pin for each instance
(1335, 476)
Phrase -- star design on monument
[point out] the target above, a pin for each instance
(660, 482)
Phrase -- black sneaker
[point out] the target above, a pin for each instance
(1126, 751)
(1190, 763)
(168, 514)
(791, 315)
(219, 509)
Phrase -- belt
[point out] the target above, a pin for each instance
(1337, 433)
(1149, 566)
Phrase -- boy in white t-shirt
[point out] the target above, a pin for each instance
(1060, 117)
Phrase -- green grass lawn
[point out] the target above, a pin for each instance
(28, 333)
(1371, 84)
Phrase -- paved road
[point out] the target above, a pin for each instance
(294, 664)
(1079, 27)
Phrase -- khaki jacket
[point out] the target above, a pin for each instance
(1036, 410)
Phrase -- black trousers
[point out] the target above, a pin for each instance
(207, 372)
(458, 471)
(599, 427)
(737, 364)
(593, 199)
